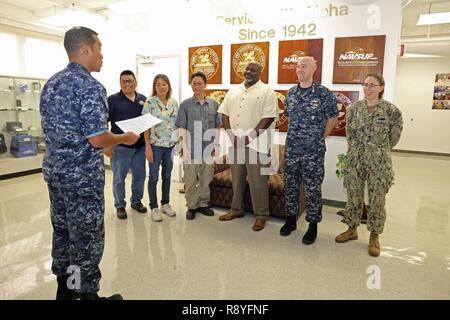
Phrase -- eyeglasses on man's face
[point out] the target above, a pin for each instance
(127, 81)
(370, 85)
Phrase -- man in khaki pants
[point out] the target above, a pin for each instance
(247, 111)
(199, 124)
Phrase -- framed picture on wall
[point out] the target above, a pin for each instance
(282, 123)
(207, 59)
(242, 54)
(216, 94)
(441, 94)
(354, 57)
(290, 51)
(344, 100)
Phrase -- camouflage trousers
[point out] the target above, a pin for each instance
(376, 215)
(78, 235)
(306, 167)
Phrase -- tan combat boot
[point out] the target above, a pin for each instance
(350, 234)
(374, 245)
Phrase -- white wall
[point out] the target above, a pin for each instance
(424, 129)
(170, 27)
(197, 24)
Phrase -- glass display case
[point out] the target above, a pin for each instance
(21, 137)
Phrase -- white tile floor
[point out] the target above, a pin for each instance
(209, 259)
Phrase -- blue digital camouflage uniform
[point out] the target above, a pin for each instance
(74, 108)
(307, 111)
(370, 138)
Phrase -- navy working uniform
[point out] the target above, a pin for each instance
(370, 138)
(74, 108)
(307, 109)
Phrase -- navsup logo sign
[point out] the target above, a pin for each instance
(290, 62)
(357, 54)
(358, 57)
(294, 57)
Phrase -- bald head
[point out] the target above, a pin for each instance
(308, 60)
(306, 67)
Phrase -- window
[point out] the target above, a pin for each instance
(8, 62)
(43, 57)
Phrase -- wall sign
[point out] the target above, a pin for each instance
(344, 100)
(289, 52)
(207, 59)
(441, 96)
(242, 54)
(216, 94)
(354, 57)
(282, 123)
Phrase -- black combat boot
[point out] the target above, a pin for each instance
(310, 235)
(63, 292)
(289, 226)
(94, 296)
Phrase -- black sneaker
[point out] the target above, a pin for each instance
(139, 207)
(121, 213)
(310, 235)
(190, 214)
(207, 211)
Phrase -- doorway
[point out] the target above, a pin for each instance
(147, 67)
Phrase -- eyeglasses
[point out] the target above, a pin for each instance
(127, 81)
(370, 85)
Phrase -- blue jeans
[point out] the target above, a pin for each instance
(123, 159)
(161, 156)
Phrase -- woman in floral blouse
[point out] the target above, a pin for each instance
(159, 141)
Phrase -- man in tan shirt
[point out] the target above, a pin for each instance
(247, 112)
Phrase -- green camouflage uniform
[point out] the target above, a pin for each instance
(370, 138)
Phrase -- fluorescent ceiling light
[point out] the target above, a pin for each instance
(72, 18)
(433, 18)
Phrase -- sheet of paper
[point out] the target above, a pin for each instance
(138, 124)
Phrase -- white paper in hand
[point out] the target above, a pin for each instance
(138, 124)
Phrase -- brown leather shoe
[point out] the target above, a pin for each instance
(259, 224)
(230, 216)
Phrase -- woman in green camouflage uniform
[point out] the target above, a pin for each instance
(374, 127)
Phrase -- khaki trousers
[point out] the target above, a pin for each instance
(197, 178)
(250, 168)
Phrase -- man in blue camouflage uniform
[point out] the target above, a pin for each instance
(74, 112)
(312, 112)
